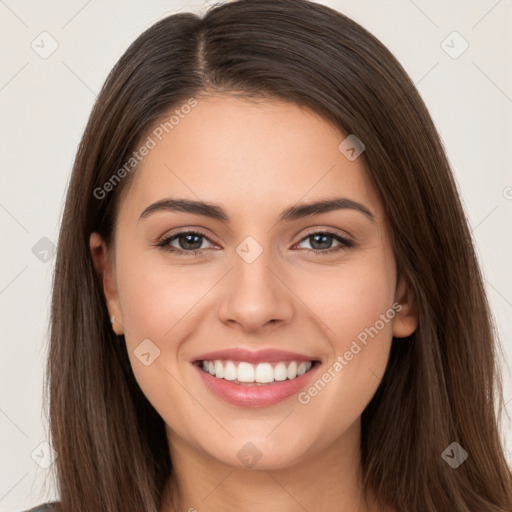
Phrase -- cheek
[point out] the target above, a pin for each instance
(157, 305)
(350, 298)
(155, 297)
(355, 308)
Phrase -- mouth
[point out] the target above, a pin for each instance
(245, 384)
(249, 374)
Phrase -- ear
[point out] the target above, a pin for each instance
(406, 318)
(105, 270)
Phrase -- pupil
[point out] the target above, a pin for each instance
(316, 237)
(187, 238)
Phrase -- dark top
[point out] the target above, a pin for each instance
(45, 507)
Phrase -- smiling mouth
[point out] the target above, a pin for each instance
(261, 374)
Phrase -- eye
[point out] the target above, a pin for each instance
(190, 242)
(323, 242)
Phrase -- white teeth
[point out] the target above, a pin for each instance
(229, 371)
(280, 372)
(245, 372)
(291, 372)
(262, 373)
(219, 370)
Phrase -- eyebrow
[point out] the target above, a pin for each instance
(216, 212)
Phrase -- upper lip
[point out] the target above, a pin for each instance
(269, 355)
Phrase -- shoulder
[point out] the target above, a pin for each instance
(45, 507)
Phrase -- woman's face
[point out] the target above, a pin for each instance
(256, 283)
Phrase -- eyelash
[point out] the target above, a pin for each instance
(345, 243)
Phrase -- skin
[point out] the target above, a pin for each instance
(255, 159)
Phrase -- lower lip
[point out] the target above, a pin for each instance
(253, 395)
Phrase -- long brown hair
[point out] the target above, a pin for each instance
(442, 384)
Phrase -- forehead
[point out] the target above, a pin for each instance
(249, 156)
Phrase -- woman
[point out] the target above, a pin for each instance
(266, 295)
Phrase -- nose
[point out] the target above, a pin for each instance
(255, 295)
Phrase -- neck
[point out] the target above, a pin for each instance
(328, 479)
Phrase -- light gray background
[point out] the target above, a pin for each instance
(45, 104)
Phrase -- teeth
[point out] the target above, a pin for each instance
(246, 372)
(301, 370)
(219, 370)
(292, 370)
(280, 372)
(229, 371)
(262, 373)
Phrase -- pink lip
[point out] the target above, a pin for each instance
(254, 357)
(251, 395)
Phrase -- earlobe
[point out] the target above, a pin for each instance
(105, 271)
(406, 318)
